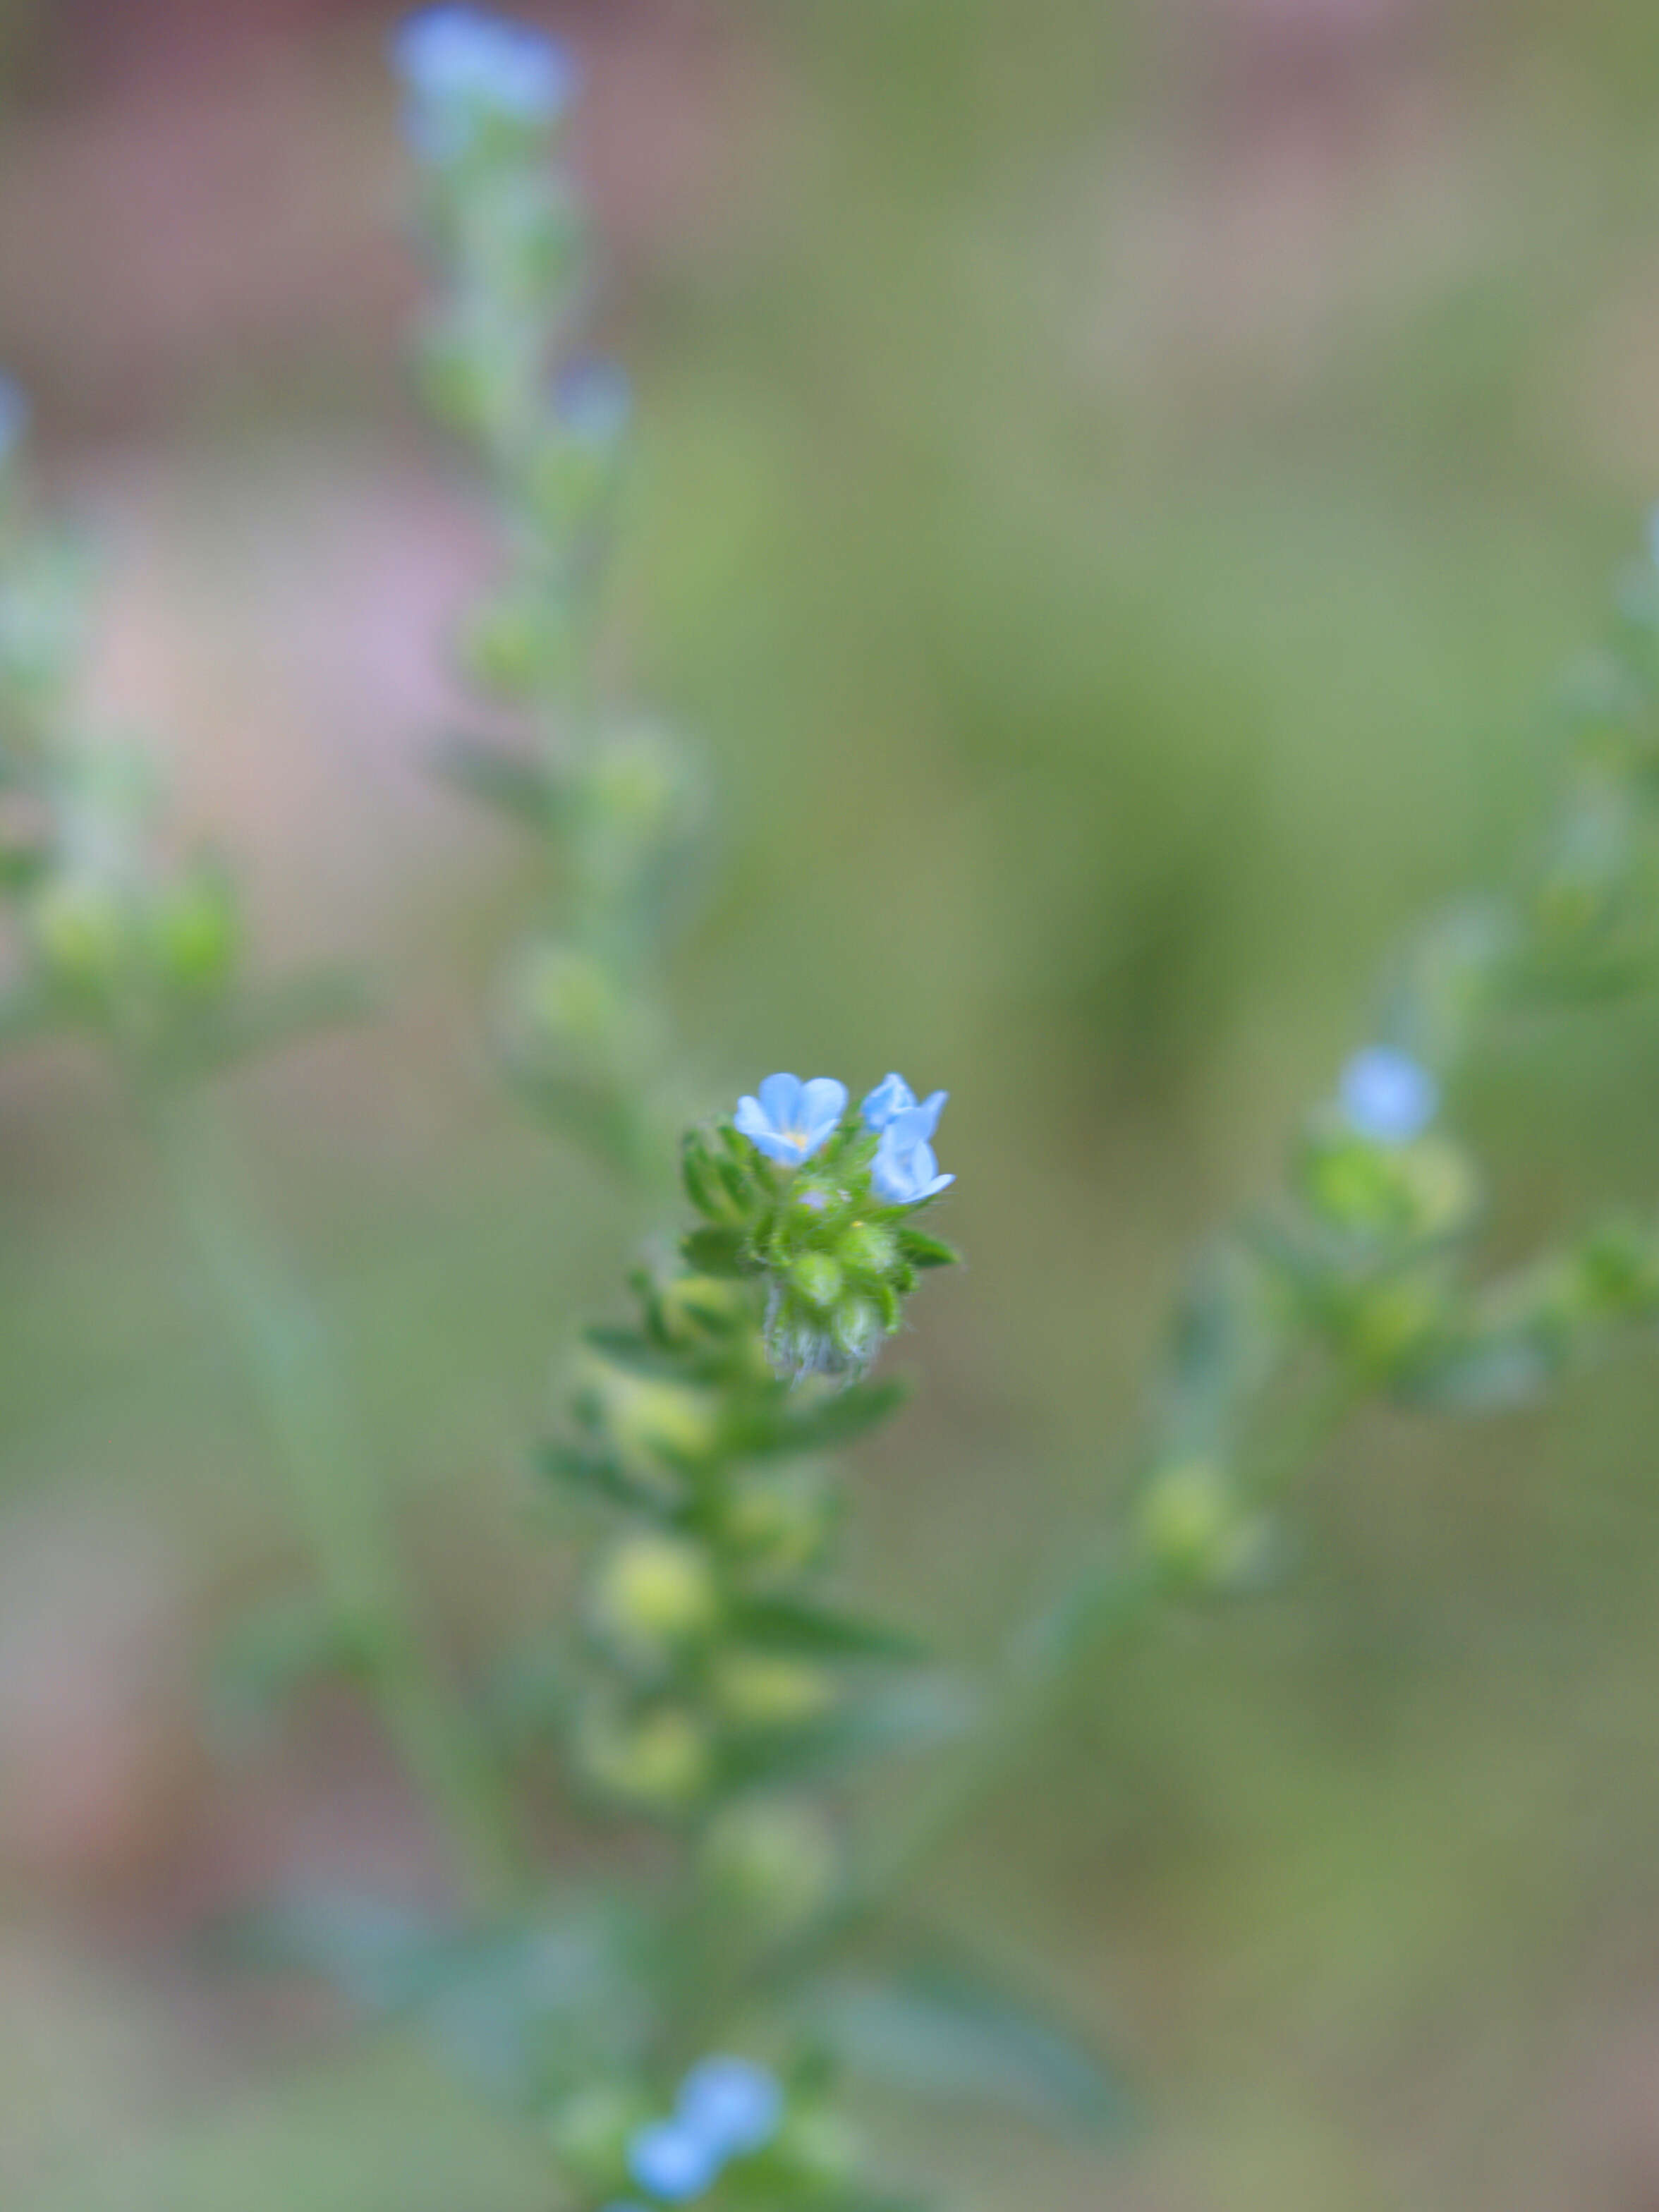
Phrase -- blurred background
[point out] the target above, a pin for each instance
(1117, 487)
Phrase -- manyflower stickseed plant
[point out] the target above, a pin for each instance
(682, 2035)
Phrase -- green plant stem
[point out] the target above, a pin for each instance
(337, 1500)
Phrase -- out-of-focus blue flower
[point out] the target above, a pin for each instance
(672, 2160)
(904, 1170)
(893, 1096)
(1388, 1095)
(733, 2104)
(792, 1119)
(465, 70)
(14, 414)
(593, 400)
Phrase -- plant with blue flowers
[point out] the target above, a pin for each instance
(685, 2031)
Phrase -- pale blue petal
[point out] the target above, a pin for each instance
(751, 1116)
(824, 1101)
(932, 1107)
(733, 2104)
(779, 1145)
(891, 1096)
(939, 1183)
(1389, 1097)
(671, 2161)
(781, 1096)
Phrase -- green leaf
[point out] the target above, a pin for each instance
(811, 1632)
(1487, 1374)
(600, 1477)
(715, 1251)
(795, 1423)
(910, 1717)
(501, 780)
(922, 1250)
(636, 1354)
(947, 2029)
(507, 2004)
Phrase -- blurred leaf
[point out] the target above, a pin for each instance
(1488, 1375)
(946, 2029)
(794, 1423)
(496, 778)
(911, 1717)
(595, 1472)
(714, 1251)
(507, 2004)
(806, 1631)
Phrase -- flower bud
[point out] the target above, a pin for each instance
(757, 1690)
(869, 1247)
(817, 1279)
(655, 1596)
(771, 1862)
(518, 647)
(1190, 1521)
(81, 925)
(562, 1008)
(778, 1523)
(856, 1325)
(660, 1759)
(194, 929)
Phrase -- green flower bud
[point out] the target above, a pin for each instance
(817, 1279)
(194, 928)
(857, 1327)
(778, 1523)
(516, 647)
(1190, 1521)
(655, 1595)
(81, 927)
(1391, 1322)
(773, 1864)
(869, 1247)
(660, 1759)
(656, 1423)
(756, 1690)
(561, 1004)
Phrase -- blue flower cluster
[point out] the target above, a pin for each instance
(727, 2108)
(791, 1120)
(466, 72)
(1387, 1096)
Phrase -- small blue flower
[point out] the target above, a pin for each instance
(14, 416)
(672, 2161)
(593, 400)
(890, 1098)
(465, 69)
(1388, 1095)
(734, 2105)
(904, 1170)
(792, 1119)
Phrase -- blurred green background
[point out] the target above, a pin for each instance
(1116, 488)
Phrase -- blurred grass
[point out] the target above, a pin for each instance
(1110, 617)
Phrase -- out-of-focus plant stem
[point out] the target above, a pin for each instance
(337, 1497)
